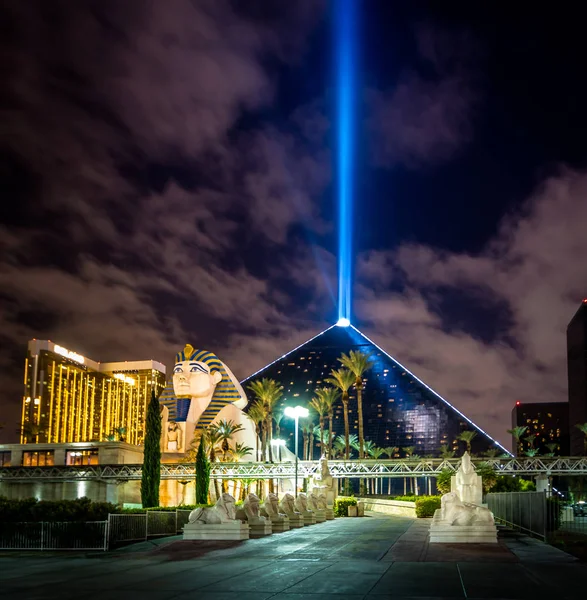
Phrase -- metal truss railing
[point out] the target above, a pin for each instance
(285, 470)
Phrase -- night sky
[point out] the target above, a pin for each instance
(167, 177)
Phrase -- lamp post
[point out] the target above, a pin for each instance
(296, 412)
(279, 444)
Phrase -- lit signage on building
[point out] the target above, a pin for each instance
(69, 354)
(124, 378)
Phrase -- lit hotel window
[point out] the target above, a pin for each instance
(82, 457)
(38, 459)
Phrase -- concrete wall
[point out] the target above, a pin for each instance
(390, 507)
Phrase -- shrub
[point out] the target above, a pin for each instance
(341, 505)
(31, 509)
(404, 498)
(426, 505)
(443, 481)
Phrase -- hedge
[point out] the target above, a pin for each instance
(341, 505)
(410, 498)
(426, 505)
(31, 509)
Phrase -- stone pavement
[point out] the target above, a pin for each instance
(375, 558)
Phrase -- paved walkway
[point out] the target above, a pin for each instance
(372, 558)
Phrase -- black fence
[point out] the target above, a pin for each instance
(539, 514)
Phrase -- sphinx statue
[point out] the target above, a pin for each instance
(216, 523)
(466, 483)
(301, 506)
(202, 391)
(287, 507)
(223, 511)
(454, 511)
(270, 509)
(250, 512)
(324, 483)
(317, 506)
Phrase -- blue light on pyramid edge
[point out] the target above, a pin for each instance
(345, 18)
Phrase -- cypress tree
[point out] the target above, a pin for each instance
(202, 474)
(151, 473)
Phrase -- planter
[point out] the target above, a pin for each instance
(352, 511)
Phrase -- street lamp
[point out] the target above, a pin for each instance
(277, 443)
(296, 412)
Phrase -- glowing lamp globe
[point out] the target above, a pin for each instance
(297, 411)
(343, 322)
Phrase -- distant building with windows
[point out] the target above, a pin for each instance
(547, 423)
(577, 375)
(399, 410)
(70, 398)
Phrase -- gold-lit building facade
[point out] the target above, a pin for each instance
(71, 398)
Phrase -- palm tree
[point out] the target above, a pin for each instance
(409, 452)
(226, 429)
(551, 448)
(375, 452)
(492, 453)
(583, 428)
(305, 434)
(278, 415)
(343, 379)
(446, 452)
(339, 447)
(358, 363)
(517, 433)
(329, 396)
(268, 392)
(318, 403)
(467, 437)
(390, 451)
(257, 414)
(311, 433)
(240, 451)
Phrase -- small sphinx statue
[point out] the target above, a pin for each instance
(318, 506)
(223, 511)
(270, 509)
(301, 506)
(250, 512)
(287, 506)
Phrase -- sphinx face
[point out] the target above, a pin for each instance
(193, 379)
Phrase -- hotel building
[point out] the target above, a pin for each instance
(71, 398)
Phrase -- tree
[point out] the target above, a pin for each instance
(339, 447)
(443, 481)
(390, 451)
(278, 415)
(319, 405)
(583, 428)
(305, 434)
(552, 446)
(257, 414)
(358, 363)
(240, 451)
(202, 473)
(446, 452)
(329, 396)
(517, 433)
(343, 379)
(226, 429)
(151, 471)
(467, 437)
(268, 392)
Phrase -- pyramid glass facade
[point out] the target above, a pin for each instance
(398, 409)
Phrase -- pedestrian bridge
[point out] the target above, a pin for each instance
(359, 469)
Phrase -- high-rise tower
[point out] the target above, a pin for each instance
(577, 373)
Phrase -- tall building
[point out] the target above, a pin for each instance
(71, 398)
(577, 374)
(547, 422)
(398, 408)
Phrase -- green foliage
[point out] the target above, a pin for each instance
(341, 505)
(151, 472)
(443, 481)
(426, 505)
(488, 475)
(31, 509)
(410, 498)
(508, 483)
(202, 473)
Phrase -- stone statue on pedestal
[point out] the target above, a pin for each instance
(466, 483)
(222, 512)
(317, 506)
(270, 509)
(301, 505)
(287, 506)
(455, 512)
(324, 483)
(250, 512)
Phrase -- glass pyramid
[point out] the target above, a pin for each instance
(398, 408)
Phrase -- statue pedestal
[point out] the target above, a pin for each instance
(320, 515)
(296, 520)
(329, 513)
(442, 532)
(279, 523)
(309, 518)
(260, 527)
(235, 530)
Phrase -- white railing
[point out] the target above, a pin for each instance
(339, 468)
(67, 535)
